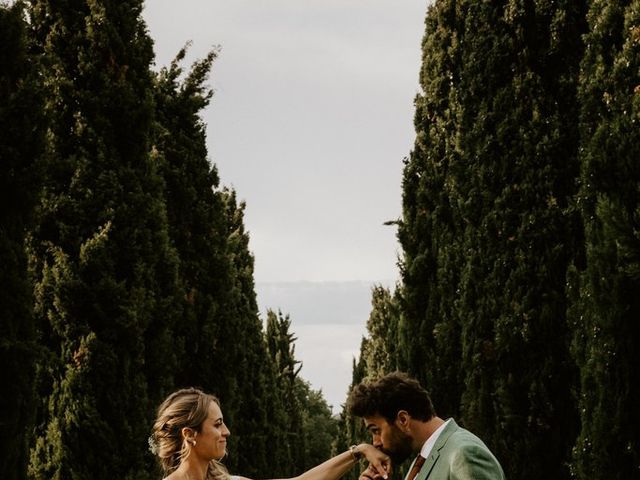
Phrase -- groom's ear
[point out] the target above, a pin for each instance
(402, 420)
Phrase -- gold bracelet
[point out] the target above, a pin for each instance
(356, 455)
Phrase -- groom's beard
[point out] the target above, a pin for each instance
(398, 447)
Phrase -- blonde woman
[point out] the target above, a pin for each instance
(190, 438)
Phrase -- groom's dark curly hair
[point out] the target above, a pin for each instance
(388, 395)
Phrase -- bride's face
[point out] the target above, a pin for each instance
(211, 440)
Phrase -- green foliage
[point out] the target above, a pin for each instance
(141, 275)
(319, 426)
(605, 306)
(488, 228)
(431, 229)
(379, 351)
(136, 277)
(281, 349)
(308, 426)
(197, 221)
(21, 144)
(105, 272)
(519, 143)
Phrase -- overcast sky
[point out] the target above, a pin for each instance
(311, 119)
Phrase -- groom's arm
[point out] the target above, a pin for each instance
(474, 462)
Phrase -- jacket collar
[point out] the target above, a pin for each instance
(451, 427)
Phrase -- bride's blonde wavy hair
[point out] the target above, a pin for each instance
(188, 408)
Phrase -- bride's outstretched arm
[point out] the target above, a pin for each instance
(337, 466)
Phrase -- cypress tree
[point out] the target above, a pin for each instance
(430, 229)
(281, 348)
(606, 305)
(309, 426)
(106, 275)
(518, 136)
(488, 230)
(21, 144)
(379, 350)
(197, 222)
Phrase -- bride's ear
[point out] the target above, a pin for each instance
(188, 435)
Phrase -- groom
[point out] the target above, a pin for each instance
(398, 413)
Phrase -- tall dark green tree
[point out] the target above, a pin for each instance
(106, 275)
(430, 230)
(21, 145)
(380, 349)
(281, 348)
(606, 304)
(197, 223)
(309, 425)
(519, 138)
(488, 231)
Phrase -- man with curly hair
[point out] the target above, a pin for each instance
(400, 417)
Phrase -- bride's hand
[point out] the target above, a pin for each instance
(379, 462)
(370, 474)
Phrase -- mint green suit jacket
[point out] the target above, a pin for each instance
(459, 455)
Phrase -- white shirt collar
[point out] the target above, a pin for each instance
(431, 441)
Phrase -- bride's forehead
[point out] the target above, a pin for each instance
(214, 410)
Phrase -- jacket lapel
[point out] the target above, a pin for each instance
(435, 451)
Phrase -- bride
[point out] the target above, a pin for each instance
(190, 438)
